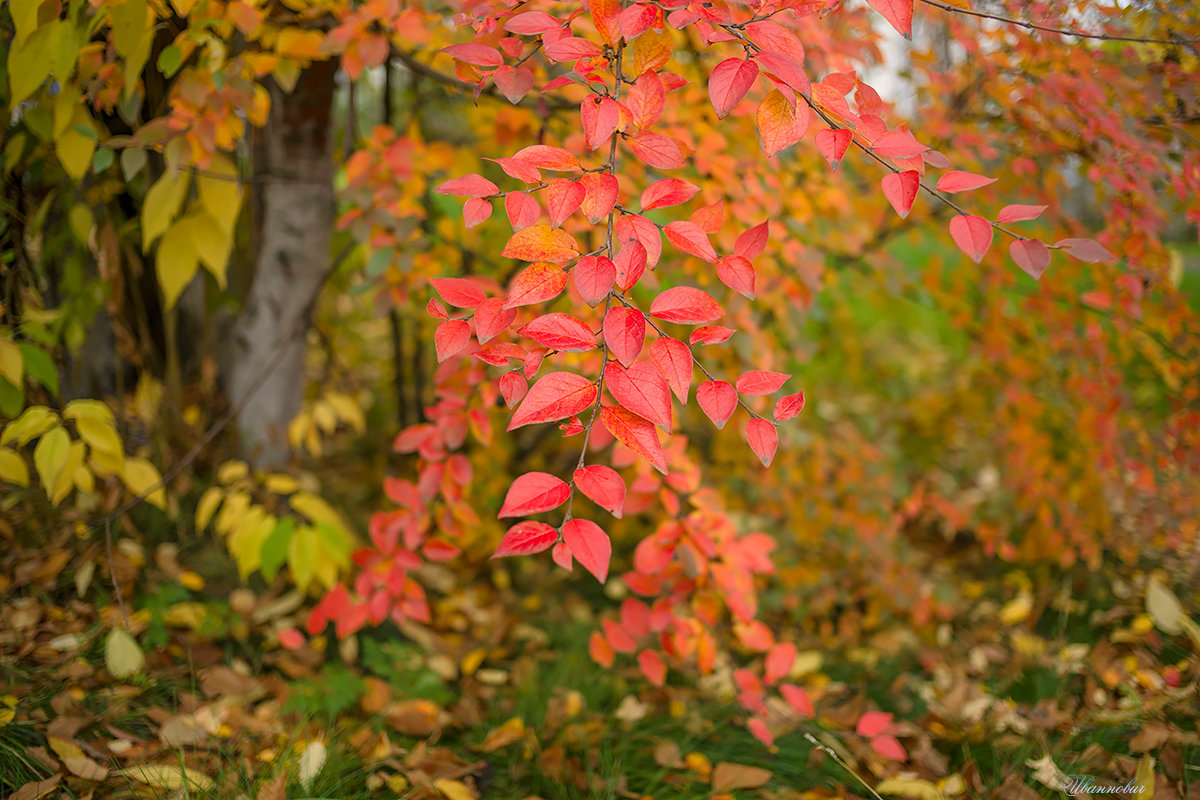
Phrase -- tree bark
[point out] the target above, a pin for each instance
(293, 167)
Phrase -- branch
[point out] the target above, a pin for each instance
(421, 68)
(1033, 26)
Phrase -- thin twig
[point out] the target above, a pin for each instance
(1033, 26)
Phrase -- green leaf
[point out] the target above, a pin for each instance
(40, 366)
(275, 549)
(133, 159)
(102, 160)
(170, 60)
(50, 456)
(12, 399)
(302, 556)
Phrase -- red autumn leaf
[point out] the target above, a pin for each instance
(564, 198)
(798, 699)
(1019, 213)
(737, 273)
(491, 318)
(560, 331)
(291, 639)
(757, 382)
(790, 72)
(718, 400)
(897, 12)
(499, 354)
(521, 170)
(674, 361)
(533, 493)
(451, 338)
(630, 263)
(689, 238)
(779, 662)
(641, 389)
(687, 305)
(481, 55)
(636, 433)
(770, 35)
(468, 186)
(958, 181)
(758, 727)
(513, 82)
(476, 211)
(889, 747)
(873, 723)
(562, 555)
(600, 117)
(594, 276)
(780, 122)
(656, 150)
(604, 486)
(590, 546)
(599, 196)
(636, 228)
(460, 292)
(898, 144)
(618, 637)
(544, 156)
(1030, 255)
(710, 334)
(636, 20)
(646, 97)
(710, 218)
(435, 309)
(606, 16)
(900, 189)
(624, 333)
(652, 666)
(788, 407)
(526, 538)
(833, 142)
(1086, 250)
(571, 48)
(537, 283)
(763, 439)
(522, 210)
(530, 23)
(668, 192)
(513, 387)
(729, 82)
(540, 243)
(972, 234)
(557, 395)
(600, 650)
(750, 243)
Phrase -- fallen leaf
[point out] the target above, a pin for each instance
(311, 762)
(1163, 607)
(910, 787)
(455, 790)
(727, 776)
(167, 776)
(122, 656)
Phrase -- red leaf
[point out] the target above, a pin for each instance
(668, 192)
(958, 181)
(729, 82)
(656, 150)
(873, 723)
(594, 276)
(590, 546)
(763, 439)
(674, 361)
(468, 186)
(1087, 250)
(600, 117)
(646, 98)
(770, 35)
(737, 273)
(710, 218)
(499, 354)
(481, 55)
(833, 142)
(636, 228)
(624, 333)
(521, 170)
(291, 639)
(557, 395)
(750, 243)
(641, 389)
(652, 666)
(630, 263)
(451, 338)
(460, 292)
(435, 309)
(780, 123)
(636, 433)
(564, 198)
(758, 727)
(686, 304)
(491, 318)
(889, 747)
(560, 331)
(636, 20)
(604, 486)
(475, 211)
(600, 650)
(972, 234)
(759, 382)
(600, 195)
(533, 493)
(537, 283)
(897, 12)
(779, 662)
(544, 156)
(513, 387)
(798, 699)
(540, 243)
(1018, 213)
(718, 400)
(710, 334)
(513, 82)
(526, 538)
(789, 71)
(788, 407)
(530, 23)
(606, 16)
(522, 210)
(898, 144)
(900, 189)
(571, 48)
(688, 237)
(1030, 255)
(562, 555)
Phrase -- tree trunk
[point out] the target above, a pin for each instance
(294, 164)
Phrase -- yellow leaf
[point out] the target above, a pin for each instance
(302, 556)
(75, 760)
(99, 435)
(30, 63)
(185, 615)
(93, 409)
(74, 149)
(350, 412)
(12, 468)
(207, 506)
(727, 776)
(1016, 609)
(12, 364)
(140, 476)
(129, 26)
(50, 456)
(122, 656)
(66, 477)
(281, 484)
(316, 509)
(221, 197)
(1163, 607)
(454, 790)
(235, 507)
(541, 243)
(167, 776)
(162, 204)
(910, 787)
(34, 422)
(24, 17)
(1143, 779)
(231, 471)
(8, 709)
(177, 260)
(247, 540)
(212, 243)
(311, 762)
(298, 43)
